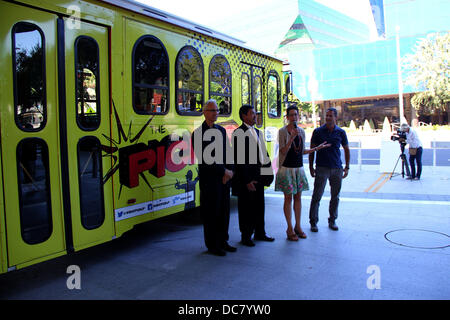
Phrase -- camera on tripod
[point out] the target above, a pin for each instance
(400, 135)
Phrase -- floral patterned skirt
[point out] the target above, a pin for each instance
(291, 180)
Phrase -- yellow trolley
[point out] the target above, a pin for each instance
(95, 97)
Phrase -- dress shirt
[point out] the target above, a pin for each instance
(255, 135)
(412, 138)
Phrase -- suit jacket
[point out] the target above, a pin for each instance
(211, 174)
(247, 159)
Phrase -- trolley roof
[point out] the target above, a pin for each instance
(154, 13)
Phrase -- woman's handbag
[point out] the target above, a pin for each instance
(412, 151)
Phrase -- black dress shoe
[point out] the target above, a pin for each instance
(217, 252)
(247, 242)
(314, 228)
(229, 248)
(265, 238)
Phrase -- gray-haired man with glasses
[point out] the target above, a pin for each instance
(210, 143)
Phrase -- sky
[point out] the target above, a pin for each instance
(262, 24)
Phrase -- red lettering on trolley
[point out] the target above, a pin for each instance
(140, 162)
(155, 158)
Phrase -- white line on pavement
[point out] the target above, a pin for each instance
(423, 202)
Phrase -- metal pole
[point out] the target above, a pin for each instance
(433, 145)
(312, 87)
(399, 74)
(314, 112)
(359, 155)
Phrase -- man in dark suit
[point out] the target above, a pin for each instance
(248, 183)
(210, 143)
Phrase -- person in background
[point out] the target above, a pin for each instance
(291, 177)
(415, 150)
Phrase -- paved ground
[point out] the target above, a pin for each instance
(392, 244)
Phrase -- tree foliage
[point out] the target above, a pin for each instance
(30, 81)
(429, 72)
(303, 106)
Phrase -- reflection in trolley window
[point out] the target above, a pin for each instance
(87, 83)
(189, 81)
(287, 83)
(220, 83)
(257, 87)
(150, 76)
(90, 182)
(274, 96)
(29, 76)
(34, 190)
(245, 88)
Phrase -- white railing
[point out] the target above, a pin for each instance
(435, 145)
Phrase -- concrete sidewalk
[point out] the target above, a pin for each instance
(392, 244)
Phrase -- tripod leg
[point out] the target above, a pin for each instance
(408, 173)
(403, 167)
(392, 173)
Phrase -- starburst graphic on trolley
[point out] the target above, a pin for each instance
(111, 150)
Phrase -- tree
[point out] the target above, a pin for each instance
(30, 82)
(303, 106)
(429, 72)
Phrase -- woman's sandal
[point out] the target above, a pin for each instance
(292, 236)
(300, 234)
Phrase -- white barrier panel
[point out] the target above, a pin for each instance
(389, 154)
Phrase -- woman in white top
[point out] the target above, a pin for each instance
(291, 177)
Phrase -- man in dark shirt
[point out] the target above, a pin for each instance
(328, 167)
(210, 142)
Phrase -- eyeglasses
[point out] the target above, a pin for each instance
(213, 110)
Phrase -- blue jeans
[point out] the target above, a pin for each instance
(418, 159)
(334, 175)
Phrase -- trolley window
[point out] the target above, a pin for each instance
(150, 76)
(274, 96)
(189, 82)
(34, 190)
(220, 84)
(87, 83)
(90, 182)
(257, 85)
(287, 82)
(28, 53)
(245, 88)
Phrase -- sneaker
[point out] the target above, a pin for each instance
(332, 225)
(314, 228)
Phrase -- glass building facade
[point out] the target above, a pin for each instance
(334, 62)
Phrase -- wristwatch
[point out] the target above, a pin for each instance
(348, 168)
